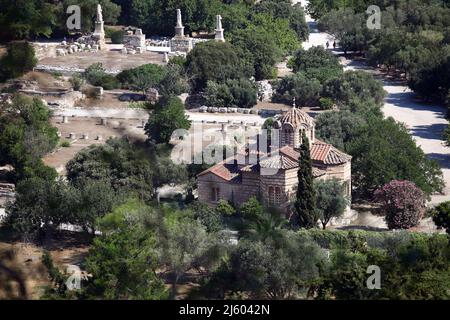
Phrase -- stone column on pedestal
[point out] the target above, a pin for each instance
(219, 30)
(179, 28)
(99, 33)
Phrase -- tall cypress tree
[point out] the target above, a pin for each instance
(306, 198)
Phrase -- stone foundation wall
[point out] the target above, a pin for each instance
(181, 45)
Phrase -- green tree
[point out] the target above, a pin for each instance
(260, 48)
(19, 59)
(233, 93)
(258, 270)
(339, 128)
(187, 244)
(41, 206)
(25, 19)
(306, 198)
(127, 167)
(265, 226)
(26, 135)
(167, 117)
(385, 151)
(94, 199)
(142, 78)
(305, 91)
(215, 61)
(354, 85)
(123, 261)
(330, 200)
(207, 216)
(316, 62)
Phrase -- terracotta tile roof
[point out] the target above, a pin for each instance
(327, 154)
(278, 162)
(284, 158)
(319, 151)
(289, 152)
(225, 170)
(296, 118)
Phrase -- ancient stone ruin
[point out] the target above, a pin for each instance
(92, 43)
(180, 43)
(219, 30)
(133, 41)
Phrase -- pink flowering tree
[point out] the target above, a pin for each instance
(402, 202)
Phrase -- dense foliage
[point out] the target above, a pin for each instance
(19, 59)
(232, 93)
(26, 136)
(413, 39)
(168, 115)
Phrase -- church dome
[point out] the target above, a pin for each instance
(297, 118)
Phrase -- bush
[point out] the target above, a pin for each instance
(77, 82)
(441, 216)
(65, 144)
(97, 76)
(402, 202)
(141, 78)
(326, 103)
(19, 59)
(117, 37)
(225, 209)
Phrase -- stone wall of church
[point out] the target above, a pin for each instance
(231, 192)
(342, 172)
(275, 180)
(208, 182)
(250, 187)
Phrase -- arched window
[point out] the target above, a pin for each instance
(215, 194)
(288, 136)
(277, 196)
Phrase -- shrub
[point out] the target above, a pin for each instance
(441, 216)
(65, 144)
(117, 37)
(141, 78)
(77, 82)
(97, 76)
(225, 209)
(403, 203)
(326, 103)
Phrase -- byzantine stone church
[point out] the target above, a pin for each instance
(237, 181)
